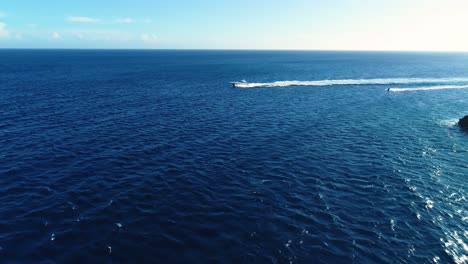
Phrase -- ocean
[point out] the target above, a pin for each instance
(150, 156)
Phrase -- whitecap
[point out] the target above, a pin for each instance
(429, 204)
(418, 215)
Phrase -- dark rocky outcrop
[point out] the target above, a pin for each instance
(463, 122)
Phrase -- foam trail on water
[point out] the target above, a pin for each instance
(448, 122)
(351, 82)
(428, 88)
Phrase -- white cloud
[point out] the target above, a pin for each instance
(81, 19)
(56, 35)
(126, 20)
(129, 20)
(149, 38)
(3, 30)
(98, 35)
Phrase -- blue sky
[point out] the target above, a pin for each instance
(241, 24)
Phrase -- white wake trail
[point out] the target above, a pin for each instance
(427, 88)
(351, 82)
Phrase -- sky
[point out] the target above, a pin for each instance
(426, 25)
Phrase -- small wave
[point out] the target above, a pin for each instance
(456, 246)
(428, 88)
(351, 82)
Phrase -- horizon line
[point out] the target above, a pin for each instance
(222, 49)
(240, 49)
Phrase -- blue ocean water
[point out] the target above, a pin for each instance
(152, 157)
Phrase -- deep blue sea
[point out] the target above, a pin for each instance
(114, 156)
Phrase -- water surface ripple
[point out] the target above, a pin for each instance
(151, 157)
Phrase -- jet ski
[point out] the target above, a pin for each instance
(236, 84)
